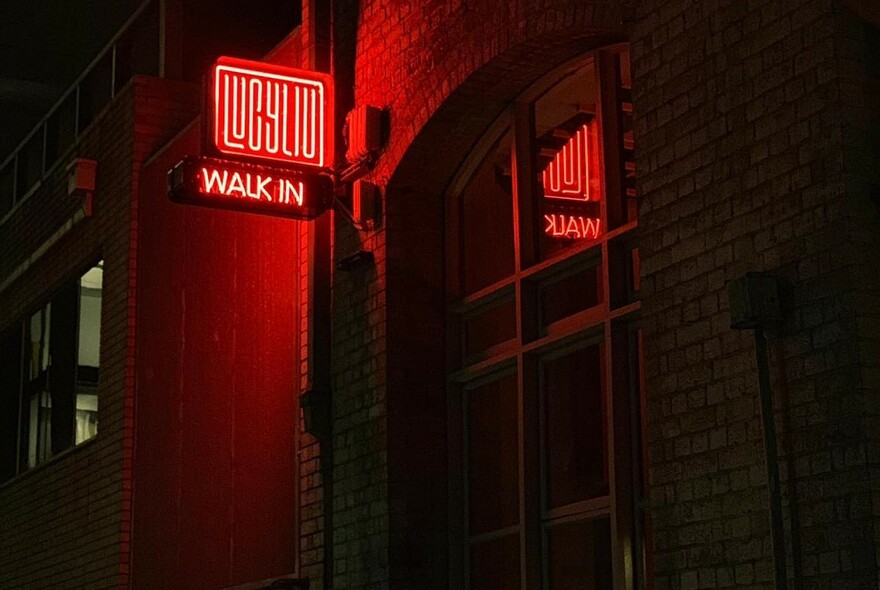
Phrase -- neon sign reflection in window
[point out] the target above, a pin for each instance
(567, 176)
(573, 227)
(569, 199)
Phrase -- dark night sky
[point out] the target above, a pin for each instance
(44, 46)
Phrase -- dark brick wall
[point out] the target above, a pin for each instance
(742, 113)
(749, 118)
(443, 71)
(857, 45)
(64, 524)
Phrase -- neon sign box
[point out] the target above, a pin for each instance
(252, 188)
(269, 112)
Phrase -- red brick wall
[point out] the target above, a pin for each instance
(740, 119)
(63, 524)
(215, 450)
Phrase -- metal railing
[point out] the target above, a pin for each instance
(134, 49)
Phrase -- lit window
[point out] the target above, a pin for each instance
(49, 366)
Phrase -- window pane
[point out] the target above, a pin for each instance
(88, 354)
(580, 555)
(90, 317)
(569, 179)
(623, 272)
(495, 564)
(39, 429)
(487, 220)
(573, 293)
(574, 430)
(86, 416)
(493, 457)
(38, 329)
(489, 326)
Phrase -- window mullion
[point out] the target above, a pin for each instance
(457, 483)
(525, 186)
(608, 80)
(623, 484)
(531, 539)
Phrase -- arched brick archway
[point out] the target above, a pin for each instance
(427, 62)
(416, 309)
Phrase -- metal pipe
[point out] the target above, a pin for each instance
(771, 460)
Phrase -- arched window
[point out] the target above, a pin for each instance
(545, 396)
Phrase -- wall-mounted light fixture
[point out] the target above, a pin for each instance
(81, 182)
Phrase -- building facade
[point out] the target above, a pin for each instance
(522, 374)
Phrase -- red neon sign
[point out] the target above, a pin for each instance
(271, 112)
(247, 187)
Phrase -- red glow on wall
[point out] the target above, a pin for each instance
(572, 227)
(567, 176)
(272, 112)
(247, 187)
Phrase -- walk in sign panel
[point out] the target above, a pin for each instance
(252, 188)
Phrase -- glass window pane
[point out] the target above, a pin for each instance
(86, 416)
(38, 330)
(580, 555)
(488, 326)
(95, 90)
(493, 456)
(90, 317)
(570, 294)
(574, 427)
(30, 164)
(39, 428)
(495, 564)
(487, 220)
(88, 354)
(61, 130)
(569, 178)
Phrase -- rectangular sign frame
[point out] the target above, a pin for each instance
(261, 112)
(251, 188)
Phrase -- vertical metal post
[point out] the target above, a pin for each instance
(771, 460)
(45, 135)
(14, 180)
(113, 72)
(319, 27)
(755, 305)
(76, 115)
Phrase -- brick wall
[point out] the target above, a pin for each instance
(857, 47)
(63, 523)
(443, 71)
(740, 125)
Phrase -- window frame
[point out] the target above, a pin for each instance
(611, 323)
(41, 385)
